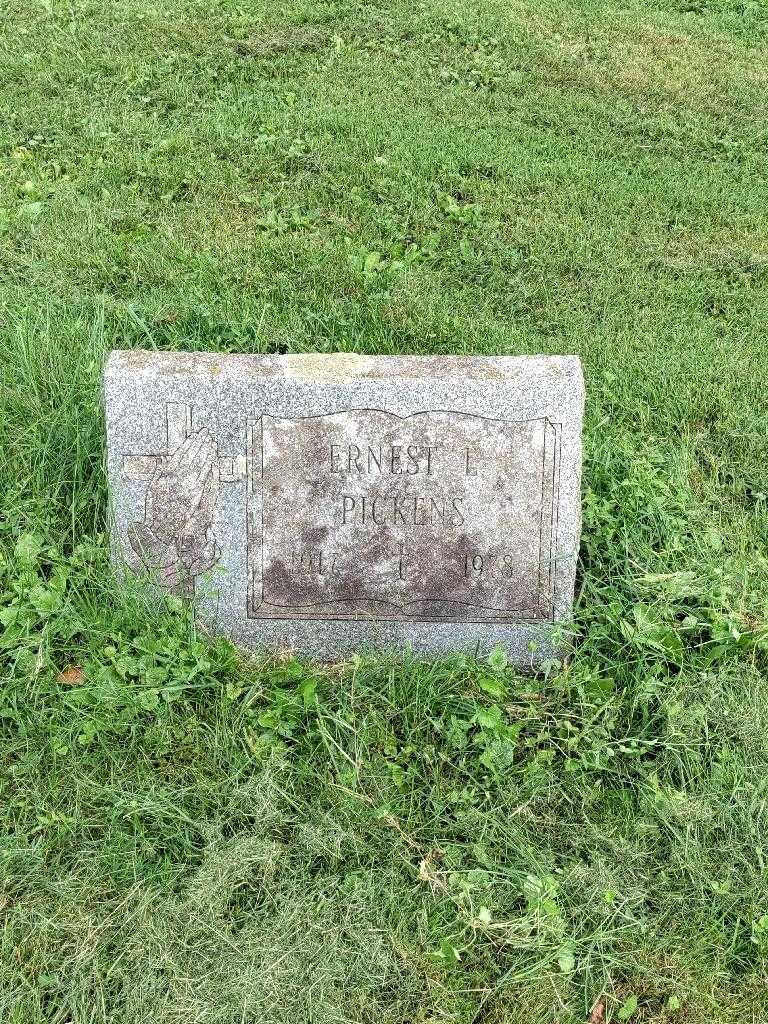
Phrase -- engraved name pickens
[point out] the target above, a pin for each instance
(438, 515)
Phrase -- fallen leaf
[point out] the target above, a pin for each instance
(73, 675)
(428, 873)
(598, 1013)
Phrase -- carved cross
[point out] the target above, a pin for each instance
(400, 553)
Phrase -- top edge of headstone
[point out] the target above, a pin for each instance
(338, 366)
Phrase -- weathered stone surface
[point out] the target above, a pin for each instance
(330, 503)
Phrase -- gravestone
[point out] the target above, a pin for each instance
(330, 503)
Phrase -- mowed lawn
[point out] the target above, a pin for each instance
(191, 835)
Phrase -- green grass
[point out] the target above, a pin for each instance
(190, 836)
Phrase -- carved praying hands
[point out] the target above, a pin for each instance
(176, 541)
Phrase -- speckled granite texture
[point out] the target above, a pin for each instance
(332, 503)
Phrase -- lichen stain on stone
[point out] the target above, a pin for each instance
(470, 367)
(334, 367)
(168, 362)
(326, 367)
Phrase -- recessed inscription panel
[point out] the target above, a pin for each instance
(363, 514)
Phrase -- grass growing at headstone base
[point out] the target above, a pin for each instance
(190, 835)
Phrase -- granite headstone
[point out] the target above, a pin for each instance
(330, 503)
